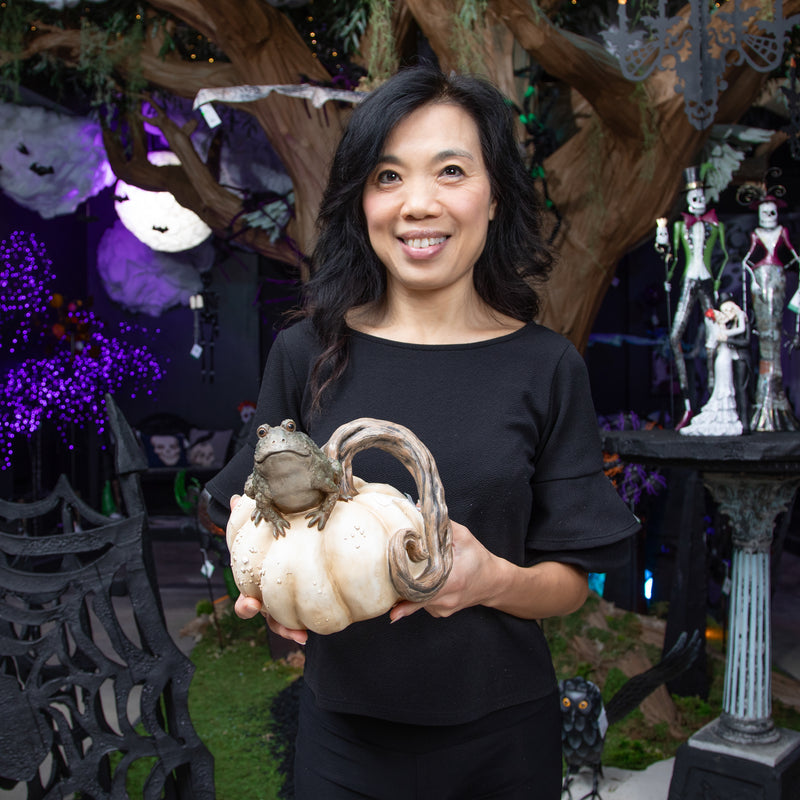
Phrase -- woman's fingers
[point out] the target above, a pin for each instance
(246, 607)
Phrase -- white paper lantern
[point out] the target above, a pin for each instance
(157, 218)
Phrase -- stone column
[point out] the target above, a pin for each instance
(752, 505)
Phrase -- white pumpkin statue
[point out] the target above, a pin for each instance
(321, 548)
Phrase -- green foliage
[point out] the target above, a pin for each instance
(14, 21)
(204, 607)
(615, 680)
(349, 22)
(786, 716)
(467, 34)
(108, 74)
(381, 59)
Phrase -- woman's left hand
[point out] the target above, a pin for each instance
(471, 581)
(478, 577)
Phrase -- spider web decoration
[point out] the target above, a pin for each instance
(90, 681)
(700, 51)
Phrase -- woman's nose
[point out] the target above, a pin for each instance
(420, 200)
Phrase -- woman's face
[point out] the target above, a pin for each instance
(428, 201)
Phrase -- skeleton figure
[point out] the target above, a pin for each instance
(770, 255)
(697, 234)
(726, 412)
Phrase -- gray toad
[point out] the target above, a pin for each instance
(291, 474)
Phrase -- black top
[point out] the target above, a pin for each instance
(511, 426)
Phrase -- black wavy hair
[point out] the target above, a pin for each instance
(346, 273)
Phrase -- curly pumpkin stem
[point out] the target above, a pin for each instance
(435, 545)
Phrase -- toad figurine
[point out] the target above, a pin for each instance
(291, 474)
(376, 548)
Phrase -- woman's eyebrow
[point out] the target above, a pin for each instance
(444, 155)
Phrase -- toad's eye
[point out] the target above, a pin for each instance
(388, 176)
(288, 425)
(262, 431)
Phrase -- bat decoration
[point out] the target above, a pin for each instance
(160, 229)
(584, 719)
(40, 170)
(22, 149)
(121, 198)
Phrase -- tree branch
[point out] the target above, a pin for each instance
(191, 183)
(169, 72)
(579, 62)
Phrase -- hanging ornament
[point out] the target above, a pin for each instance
(195, 304)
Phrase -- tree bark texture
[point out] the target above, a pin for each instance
(620, 170)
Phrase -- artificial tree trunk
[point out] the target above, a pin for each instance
(624, 166)
(610, 180)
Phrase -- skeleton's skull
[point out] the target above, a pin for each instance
(202, 454)
(768, 215)
(696, 201)
(247, 412)
(167, 448)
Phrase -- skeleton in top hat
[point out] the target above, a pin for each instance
(697, 233)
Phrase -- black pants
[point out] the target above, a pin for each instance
(513, 754)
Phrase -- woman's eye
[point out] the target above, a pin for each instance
(452, 170)
(388, 176)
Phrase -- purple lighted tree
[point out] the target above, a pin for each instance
(80, 363)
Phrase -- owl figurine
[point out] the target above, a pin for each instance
(585, 720)
(584, 723)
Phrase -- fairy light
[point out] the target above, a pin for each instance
(25, 275)
(67, 386)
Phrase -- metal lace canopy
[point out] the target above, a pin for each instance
(700, 49)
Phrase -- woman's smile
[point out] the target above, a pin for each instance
(422, 244)
(428, 202)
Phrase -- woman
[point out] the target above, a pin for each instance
(418, 312)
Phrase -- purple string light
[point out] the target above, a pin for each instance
(25, 277)
(68, 385)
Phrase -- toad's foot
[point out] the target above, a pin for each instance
(319, 516)
(269, 514)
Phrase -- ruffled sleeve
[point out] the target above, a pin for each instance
(578, 517)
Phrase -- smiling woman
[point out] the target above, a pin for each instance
(419, 311)
(428, 204)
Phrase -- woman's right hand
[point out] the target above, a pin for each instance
(247, 607)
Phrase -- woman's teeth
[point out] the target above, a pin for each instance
(418, 244)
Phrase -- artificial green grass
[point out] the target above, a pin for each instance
(233, 687)
(229, 702)
(634, 743)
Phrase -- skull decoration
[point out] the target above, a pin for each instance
(768, 214)
(167, 448)
(696, 201)
(202, 454)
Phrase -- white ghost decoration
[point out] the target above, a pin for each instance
(145, 280)
(157, 218)
(50, 162)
